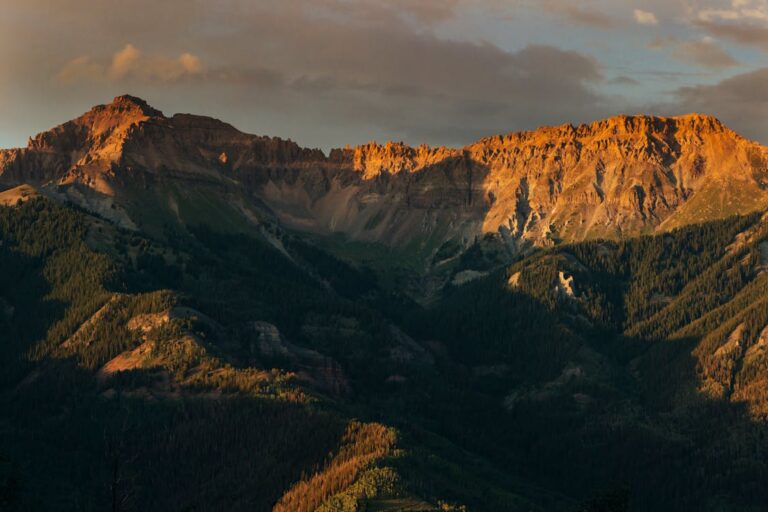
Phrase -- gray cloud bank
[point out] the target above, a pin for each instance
(328, 72)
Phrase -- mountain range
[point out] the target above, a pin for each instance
(621, 177)
(196, 318)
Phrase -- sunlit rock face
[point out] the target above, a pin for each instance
(618, 177)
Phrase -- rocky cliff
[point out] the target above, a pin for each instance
(618, 177)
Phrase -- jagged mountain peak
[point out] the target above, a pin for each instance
(643, 122)
(700, 125)
(656, 134)
(620, 126)
(129, 104)
(615, 177)
(100, 131)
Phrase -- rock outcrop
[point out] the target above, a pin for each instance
(618, 177)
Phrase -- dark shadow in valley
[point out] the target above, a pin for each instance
(26, 310)
(122, 445)
(519, 389)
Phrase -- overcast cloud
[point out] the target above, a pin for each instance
(332, 72)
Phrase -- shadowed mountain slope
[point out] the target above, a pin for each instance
(628, 372)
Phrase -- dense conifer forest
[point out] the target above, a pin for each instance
(203, 370)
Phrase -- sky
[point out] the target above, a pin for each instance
(330, 73)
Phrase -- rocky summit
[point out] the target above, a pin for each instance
(619, 177)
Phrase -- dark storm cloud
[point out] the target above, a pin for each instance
(740, 101)
(330, 72)
(741, 21)
(705, 52)
(746, 34)
(623, 81)
(588, 13)
(590, 18)
(355, 64)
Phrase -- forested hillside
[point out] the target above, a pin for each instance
(144, 373)
(645, 356)
(252, 370)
